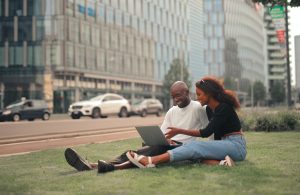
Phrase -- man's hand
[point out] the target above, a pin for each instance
(172, 132)
(171, 142)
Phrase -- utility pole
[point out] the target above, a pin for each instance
(289, 101)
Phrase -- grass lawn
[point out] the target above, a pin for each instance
(272, 166)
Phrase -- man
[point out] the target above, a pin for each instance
(185, 114)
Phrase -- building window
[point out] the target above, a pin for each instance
(16, 55)
(70, 7)
(91, 8)
(126, 20)
(134, 22)
(24, 29)
(145, 8)
(115, 3)
(15, 8)
(34, 55)
(138, 8)
(101, 12)
(110, 16)
(2, 7)
(131, 7)
(119, 18)
(40, 30)
(101, 60)
(114, 39)
(73, 30)
(2, 56)
(90, 58)
(70, 54)
(34, 7)
(37, 55)
(50, 7)
(7, 31)
(85, 33)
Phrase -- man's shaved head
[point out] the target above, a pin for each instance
(180, 94)
(179, 85)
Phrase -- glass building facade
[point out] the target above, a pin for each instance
(234, 44)
(67, 50)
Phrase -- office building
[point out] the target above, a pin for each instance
(67, 50)
(234, 44)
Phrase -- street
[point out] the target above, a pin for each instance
(25, 136)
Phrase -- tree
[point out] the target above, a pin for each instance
(259, 92)
(292, 3)
(277, 92)
(172, 76)
(229, 83)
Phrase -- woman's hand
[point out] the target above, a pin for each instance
(172, 132)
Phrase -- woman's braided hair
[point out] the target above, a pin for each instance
(214, 88)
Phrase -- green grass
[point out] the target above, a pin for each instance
(272, 166)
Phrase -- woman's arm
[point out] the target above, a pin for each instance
(174, 131)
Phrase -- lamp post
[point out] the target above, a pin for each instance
(252, 94)
(289, 101)
(183, 41)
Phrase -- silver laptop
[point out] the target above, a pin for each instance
(152, 135)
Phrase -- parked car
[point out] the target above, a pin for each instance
(146, 106)
(100, 106)
(25, 110)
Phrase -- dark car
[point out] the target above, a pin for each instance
(146, 106)
(25, 110)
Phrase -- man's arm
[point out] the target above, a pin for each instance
(174, 131)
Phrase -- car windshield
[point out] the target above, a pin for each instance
(137, 102)
(14, 104)
(99, 97)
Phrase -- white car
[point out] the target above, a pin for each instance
(146, 106)
(100, 106)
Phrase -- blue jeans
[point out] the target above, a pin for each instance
(233, 145)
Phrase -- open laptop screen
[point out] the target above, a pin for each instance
(152, 135)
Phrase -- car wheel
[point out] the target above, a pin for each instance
(16, 117)
(123, 112)
(158, 113)
(96, 113)
(144, 113)
(46, 116)
(75, 116)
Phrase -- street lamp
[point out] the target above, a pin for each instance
(237, 84)
(252, 95)
(183, 41)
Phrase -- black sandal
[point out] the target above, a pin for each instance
(77, 161)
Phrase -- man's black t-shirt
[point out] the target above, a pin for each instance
(222, 121)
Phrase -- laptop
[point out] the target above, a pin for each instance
(152, 135)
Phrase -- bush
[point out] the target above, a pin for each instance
(270, 121)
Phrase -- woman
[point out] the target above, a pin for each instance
(229, 144)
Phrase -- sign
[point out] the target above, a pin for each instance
(277, 11)
(278, 15)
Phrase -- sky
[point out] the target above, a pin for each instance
(294, 28)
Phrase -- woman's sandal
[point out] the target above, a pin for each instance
(136, 160)
(227, 162)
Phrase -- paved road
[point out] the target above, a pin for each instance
(27, 136)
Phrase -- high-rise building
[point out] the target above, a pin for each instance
(276, 58)
(234, 46)
(67, 50)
